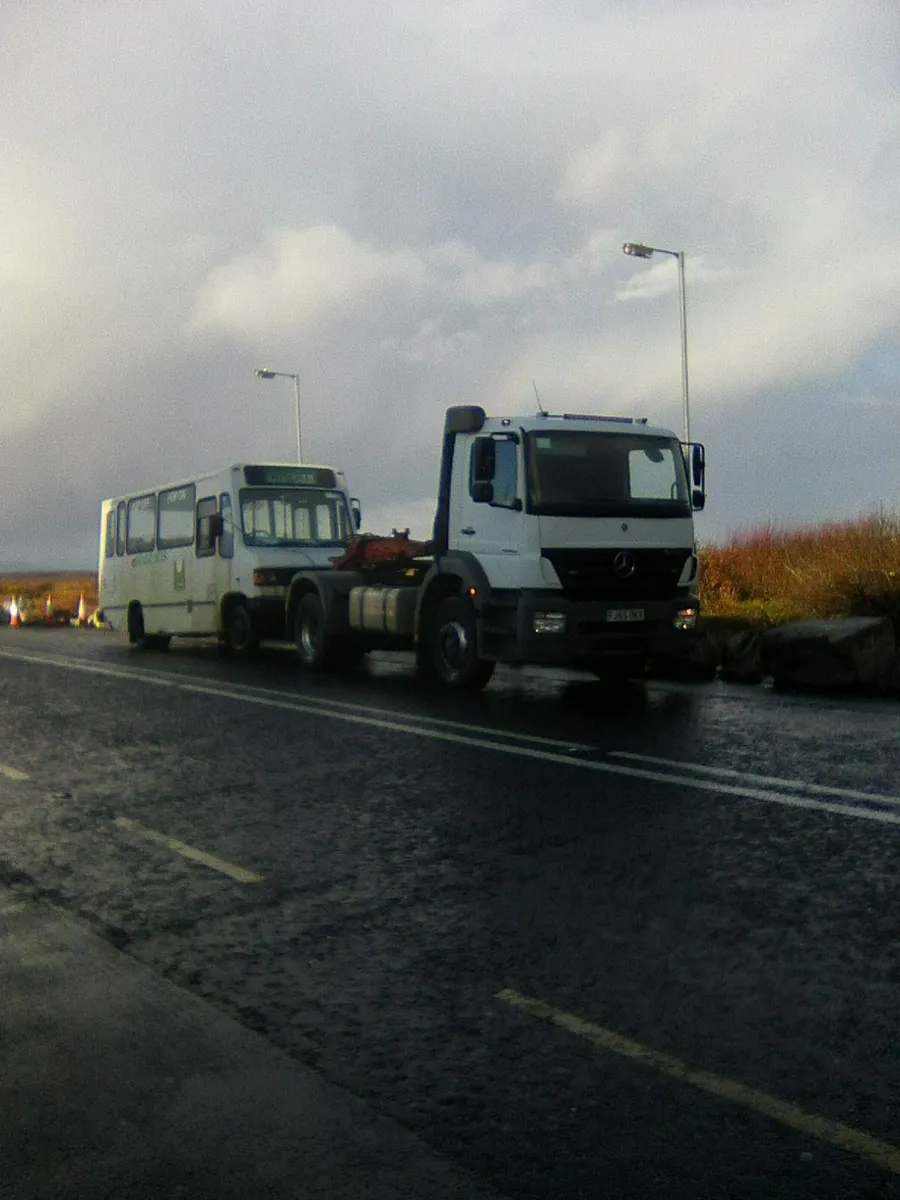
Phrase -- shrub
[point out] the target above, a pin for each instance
(771, 575)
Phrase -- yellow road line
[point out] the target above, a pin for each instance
(12, 773)
(844, 1136)
(190, 852)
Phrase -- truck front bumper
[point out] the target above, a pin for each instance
(544, 627)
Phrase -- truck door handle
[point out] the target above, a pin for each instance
(468, 529)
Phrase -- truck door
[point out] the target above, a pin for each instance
(488, 508)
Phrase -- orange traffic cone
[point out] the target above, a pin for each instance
(82, 611)
(48, 609)
(14, 618)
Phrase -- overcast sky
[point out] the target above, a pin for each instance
(418, 204)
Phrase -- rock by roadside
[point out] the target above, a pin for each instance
(847, 652)
(685, 656)
(741, 657)
(859, 654)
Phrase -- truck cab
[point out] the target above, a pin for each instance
(577, 532)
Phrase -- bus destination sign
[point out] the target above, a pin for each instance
(269, 476)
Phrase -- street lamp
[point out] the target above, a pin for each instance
(638, 250)
(264, 373)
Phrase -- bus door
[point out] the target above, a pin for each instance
(206, 586)
(175, 544)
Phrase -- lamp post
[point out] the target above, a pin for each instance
(638, 250)
(264, 373)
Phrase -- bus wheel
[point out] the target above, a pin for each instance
(136, 636)
(240, 636)
(455, 646)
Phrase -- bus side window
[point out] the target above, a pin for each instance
(110, 533)
(206, 542)
(226, 541)
(140, 534)
(120, 527)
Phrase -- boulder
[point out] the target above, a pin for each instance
(687, 656)
(844, 652)
(891, 683)
(741, 657)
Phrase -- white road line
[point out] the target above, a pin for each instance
(818, 789)
(420, 719)
(605, 768)
(13, 773)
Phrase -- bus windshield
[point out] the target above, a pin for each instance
(294, 517)
(587, 474)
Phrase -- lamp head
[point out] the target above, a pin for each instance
(638, 250)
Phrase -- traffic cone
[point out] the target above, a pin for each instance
(14, 619)
(82, 611)
(48, 609)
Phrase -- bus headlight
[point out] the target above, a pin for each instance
(549, 622)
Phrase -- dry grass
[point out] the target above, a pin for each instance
(66, 588)
(769, 576)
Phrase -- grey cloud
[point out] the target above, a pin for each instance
(418, 205)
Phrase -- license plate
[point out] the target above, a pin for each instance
(625, 614)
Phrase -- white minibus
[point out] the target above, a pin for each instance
(214, 555)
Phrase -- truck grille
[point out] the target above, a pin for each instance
(618, 574)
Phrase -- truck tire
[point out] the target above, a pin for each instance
(317, 649)
(311, 634)
(455, 646)
(240, 636)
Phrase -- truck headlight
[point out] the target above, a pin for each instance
(549, 622)
(685, 619)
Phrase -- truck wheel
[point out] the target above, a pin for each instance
(455, 646)
(311, 634)
(240, 635)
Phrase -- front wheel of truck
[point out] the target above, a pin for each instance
(455, 646)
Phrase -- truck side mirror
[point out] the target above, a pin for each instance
(695, 463)
(356, 510)
(483, 493)
(484, 459)
(698, 464)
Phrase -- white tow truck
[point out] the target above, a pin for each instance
(563, 540)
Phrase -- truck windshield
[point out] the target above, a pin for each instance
(294, 517)
(586, 474)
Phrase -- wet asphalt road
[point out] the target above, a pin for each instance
(447, 888)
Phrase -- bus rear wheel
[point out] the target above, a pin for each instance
(135, 632)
